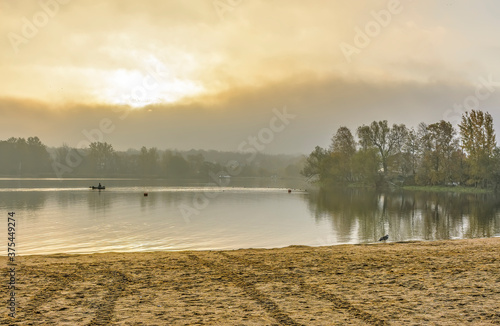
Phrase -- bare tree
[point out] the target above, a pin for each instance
(388, 141)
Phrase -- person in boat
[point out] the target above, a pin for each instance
(99, 185)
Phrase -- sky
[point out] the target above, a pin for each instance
(280, 76)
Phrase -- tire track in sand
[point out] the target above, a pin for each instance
(249, 288)
(58, 283)
(338, 302)
(106, 310)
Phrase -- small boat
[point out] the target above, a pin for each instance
(98, 187)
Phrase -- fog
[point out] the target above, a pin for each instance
(318, 107)
(195, 76)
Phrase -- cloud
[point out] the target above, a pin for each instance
(209, 82)
(321, 106)
(257, 42)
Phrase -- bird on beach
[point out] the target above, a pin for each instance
(385, 237)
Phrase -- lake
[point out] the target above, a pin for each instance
(65, 216)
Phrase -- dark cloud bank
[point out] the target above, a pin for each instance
(319, 106)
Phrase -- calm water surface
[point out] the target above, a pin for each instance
(67, 217)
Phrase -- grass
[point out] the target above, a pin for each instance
(359, 185)
(457, 189)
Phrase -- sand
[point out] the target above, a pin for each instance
(418, 283)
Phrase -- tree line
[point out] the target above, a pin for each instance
(434, 154)
(30, 157)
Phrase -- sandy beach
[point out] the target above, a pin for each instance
(417, 283)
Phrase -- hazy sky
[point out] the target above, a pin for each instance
(209, 74)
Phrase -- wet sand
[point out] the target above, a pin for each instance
(418, 283)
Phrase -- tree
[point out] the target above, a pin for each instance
(440, 152)
(365, 166)
(21, 156)
(343, 142)
(342, 150)
(478, 135)
(410, 154)
(175, 165)
(61, 153)
(195, 162)
(388, 141)
(496, 168)
(148, 161)
(316, 163)
(101, 156)
(479, 143)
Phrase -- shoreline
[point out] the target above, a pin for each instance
(444, 282)
(451, 189)
(238, 249)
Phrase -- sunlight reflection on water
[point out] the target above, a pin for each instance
(58, 217)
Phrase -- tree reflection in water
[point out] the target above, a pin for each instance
(360, 215)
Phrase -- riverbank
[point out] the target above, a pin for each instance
(415, 283)
(448, 189)
(455, 189)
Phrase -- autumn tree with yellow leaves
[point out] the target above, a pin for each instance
(478, 142)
